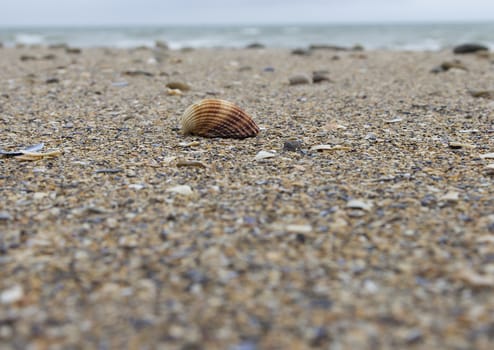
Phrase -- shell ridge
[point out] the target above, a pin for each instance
(218, 118)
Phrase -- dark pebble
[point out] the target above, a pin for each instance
(469, 48)
(327, 47)
(135, 73)
(49, 56)
(28, 58)
(489, 94)
(52, 81)
(73, 50)
(301, 52)
(268, 69)
(245, 68)
(255, 46)
(108, 171)
(4, 216)
(299, 79)
(318, 77)
(292, 145)
(161, 45)
(447, 65)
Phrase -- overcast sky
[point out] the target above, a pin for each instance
(171, 12)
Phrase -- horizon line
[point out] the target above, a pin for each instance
(250, 24)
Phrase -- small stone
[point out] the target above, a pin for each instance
(319, 77)
(456, 64)
(458, 145)
(138, 72)
(5, 216)
(255, 46)
(28, 58)
(177, 85)
(299, 79)
(292, 145)
(245, 69)
(161, 44)
(73, 50)
(301, 52)
(469, 48)
(49, 56)
(488, 94)
(489, 169)
(52, 81)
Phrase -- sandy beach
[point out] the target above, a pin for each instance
(368, 225)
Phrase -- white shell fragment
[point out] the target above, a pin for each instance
(330, 148)
(450, 196)
(487, 156)
(181, 189)
(298, 228)
(395, 120)
(11, 295)
(263, 155)
(359, 204)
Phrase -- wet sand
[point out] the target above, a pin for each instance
(384, 240)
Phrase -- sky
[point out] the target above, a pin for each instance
(190, 12)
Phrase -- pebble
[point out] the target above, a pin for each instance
(177, 85)
(319, 77)
(292, 145)
(458, 145)
(469, 48)
(138, 72)
(5, 216)
(447, 65)
(488, 94)
(73, 50)
(301, 52)
(52, 81)
(255, 46)
(299, 79)
(160, 44)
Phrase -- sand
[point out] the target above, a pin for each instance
(384, 239)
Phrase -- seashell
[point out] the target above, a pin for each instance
(218, 118)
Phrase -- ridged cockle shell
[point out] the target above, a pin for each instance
(218, 118)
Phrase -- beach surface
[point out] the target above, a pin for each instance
(126, 234)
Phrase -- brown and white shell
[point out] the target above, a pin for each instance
(218, 118)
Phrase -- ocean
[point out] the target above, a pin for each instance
(423, 36)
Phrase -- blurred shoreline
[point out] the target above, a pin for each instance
(389, 36)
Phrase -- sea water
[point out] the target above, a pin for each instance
(398, 36)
